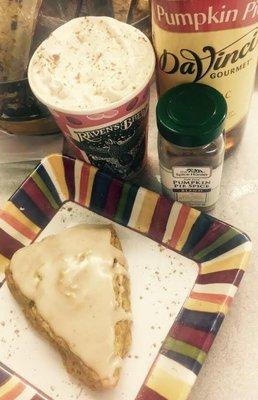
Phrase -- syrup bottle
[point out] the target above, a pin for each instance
(213, 42)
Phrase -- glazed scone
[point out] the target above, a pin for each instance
(81, 273)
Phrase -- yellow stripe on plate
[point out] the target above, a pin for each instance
(242, 248)
(11, 209)
(175, 369)
(172, 220)
(137, 207)
(237, 261)
(192, 217)
(58, 174)
(147, 210)
(205, 306)
(167, 386)
(8, 386)
(91, 178)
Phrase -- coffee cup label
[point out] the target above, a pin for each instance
(119, 148)
(114, 140)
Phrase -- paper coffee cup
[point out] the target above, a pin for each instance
(113, 136)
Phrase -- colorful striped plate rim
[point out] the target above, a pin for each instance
(221, 251)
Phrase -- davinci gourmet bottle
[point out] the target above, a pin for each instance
(213, 42)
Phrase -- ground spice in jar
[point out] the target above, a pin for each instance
(191, 145)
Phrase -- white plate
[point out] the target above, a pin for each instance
(160, 282)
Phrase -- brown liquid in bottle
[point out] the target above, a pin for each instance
(234, 137)
(213, 42)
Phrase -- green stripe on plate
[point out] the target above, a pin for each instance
(221, 240)
(44, 189)
(122, 203)
(185, 349)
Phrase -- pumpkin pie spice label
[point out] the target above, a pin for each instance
(195, 185)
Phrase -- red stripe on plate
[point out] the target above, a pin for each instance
(14, 392)
(232, 276)
(8, 245)
(17, 225)
(113, 197)
(216, 230)
(84, 183)
(149, 394)
(201, 340)
(180, 224)
(37, 196)
(69, 147)
(160, 219)
(69, 176)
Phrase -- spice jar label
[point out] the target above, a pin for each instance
(198, 186)
(191, 172)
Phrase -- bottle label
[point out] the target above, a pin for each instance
(208, 41)
(196, 186)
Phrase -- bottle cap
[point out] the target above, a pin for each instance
(191, 115)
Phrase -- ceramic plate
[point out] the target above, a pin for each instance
(185, 269)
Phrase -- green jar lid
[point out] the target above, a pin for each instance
(191, 115)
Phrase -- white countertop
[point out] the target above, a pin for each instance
(230, 371)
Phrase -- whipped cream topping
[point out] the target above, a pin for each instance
(69, 276)
(89, 63)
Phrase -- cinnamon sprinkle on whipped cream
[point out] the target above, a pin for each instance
(89, 63)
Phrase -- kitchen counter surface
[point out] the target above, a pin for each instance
(230, 371)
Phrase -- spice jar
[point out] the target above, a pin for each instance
(191, 145)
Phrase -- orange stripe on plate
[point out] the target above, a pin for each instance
(14, 392)
(84, 184)
(24, 230)
(212, 298)
(12, 210)
(180, 224)
(57, 165)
